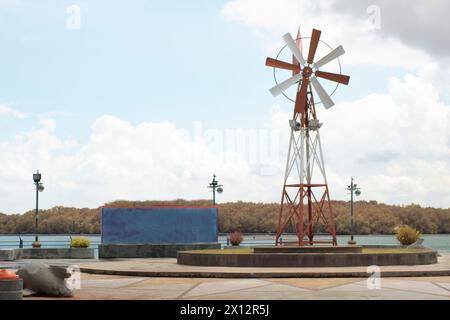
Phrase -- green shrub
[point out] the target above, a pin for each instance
(80, 242)
(407, 235)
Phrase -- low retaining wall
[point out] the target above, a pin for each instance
(47, 253)
(307, 260)
(152, 250)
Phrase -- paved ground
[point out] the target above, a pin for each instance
(169, 268)
(136, 288)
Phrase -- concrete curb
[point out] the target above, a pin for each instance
(268, 275)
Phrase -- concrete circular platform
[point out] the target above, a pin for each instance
(170, 268)
(292, 257)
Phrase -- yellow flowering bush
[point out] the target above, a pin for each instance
(80, 242)
(407, 235)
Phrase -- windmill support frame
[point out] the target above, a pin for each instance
(305, 204)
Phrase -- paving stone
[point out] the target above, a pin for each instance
(372, 295)
(245, 295)
(316, 283)
(444, 285)
(426, 279)
(110, 283)
(414, 286)
(259, 289)
(354, 287)
(224, 286)
(275, 288)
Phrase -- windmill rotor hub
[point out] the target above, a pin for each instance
(307, 72)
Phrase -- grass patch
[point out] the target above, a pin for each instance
(365, 251)
(391, 250)
(225, 251)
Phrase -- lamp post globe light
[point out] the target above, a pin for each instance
(215, 186)
(354, 190)
(39, 188)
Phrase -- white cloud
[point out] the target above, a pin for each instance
(125, 161)
(395, 144)
(10, 112)
(9, 2)
(419, 23)
(270, 19)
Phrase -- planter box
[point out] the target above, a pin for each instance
(56, 253)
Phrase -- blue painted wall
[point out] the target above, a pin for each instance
(159, 225)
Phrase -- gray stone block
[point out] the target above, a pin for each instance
(7, 255)
(417, 245)
(11, 289)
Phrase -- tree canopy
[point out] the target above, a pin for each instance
(370, 218)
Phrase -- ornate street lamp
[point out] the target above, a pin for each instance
(39, 188)
(354, 190)
(215, 186)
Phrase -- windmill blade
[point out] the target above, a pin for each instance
(277, 90)
(294, 49)
(300, 102)
(282, 65)
(336, 53)
(299, 44)
(333, 77)
(315, 38)
(323, 95)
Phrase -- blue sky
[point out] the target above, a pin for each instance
(114, 103)
(149, 61)
(140, 61)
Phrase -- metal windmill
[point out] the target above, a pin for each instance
(305, 202)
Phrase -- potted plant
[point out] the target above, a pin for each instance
(235, 238)
(36, 244)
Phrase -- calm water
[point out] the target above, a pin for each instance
(437, 242)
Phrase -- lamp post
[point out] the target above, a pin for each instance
(354, 190)
(214, 185)
(39, 188)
